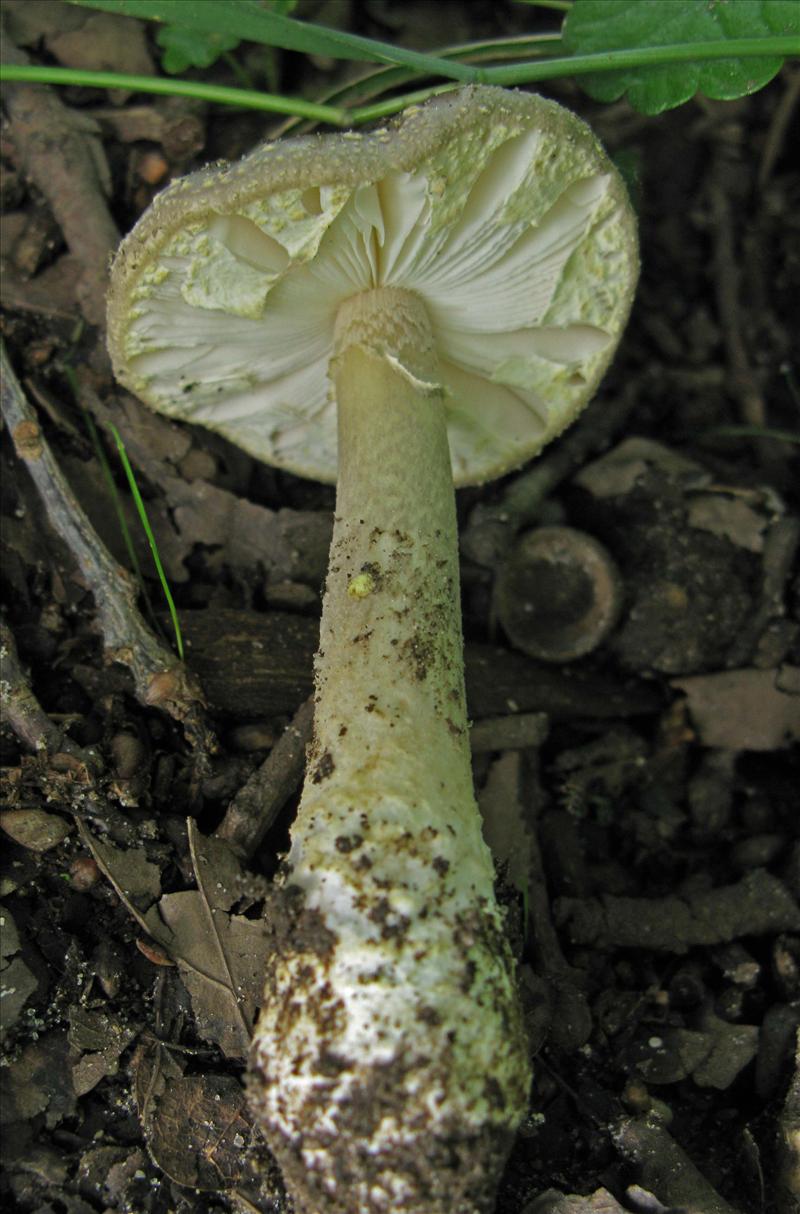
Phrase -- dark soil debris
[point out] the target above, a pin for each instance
(641, 802)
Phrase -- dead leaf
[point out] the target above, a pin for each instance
(38, 1081)
(27, 24)
(291, 544)
(154, 955)
(17, 983)
(197, 1127)
(669, 1055)
(51, 292)
(100, 1039)
(134, 877)
(733, 1047)
(731, 515)
(153, 1067)
(200, 1130)
(221, 956)
(106, 1170)
(9, 936)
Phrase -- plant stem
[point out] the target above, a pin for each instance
(169, 86)
(777, 45)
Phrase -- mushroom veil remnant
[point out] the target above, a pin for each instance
(398, 311)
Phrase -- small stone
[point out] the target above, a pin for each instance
(636, 1096)
(198, 465)
(256, 735)
(737, 964)
(152, 167)
(84, 873)
(128, 755)
(34, 829)
(758, 851)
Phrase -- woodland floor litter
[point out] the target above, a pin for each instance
(644, 796)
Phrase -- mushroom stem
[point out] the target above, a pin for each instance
(390, 1063)
(390, 667)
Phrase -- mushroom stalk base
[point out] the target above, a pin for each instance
(390, 1065)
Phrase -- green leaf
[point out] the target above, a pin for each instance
(249, 21)
(185, 48)
(594, 26)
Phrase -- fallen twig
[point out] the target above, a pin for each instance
(254, 665)
(60, 152)
(742, 379)
(21, 710)
(258, 802)
(75, 771)
(779, 127)
(159, 679)
(755, 906)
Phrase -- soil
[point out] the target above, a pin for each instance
(641, 799)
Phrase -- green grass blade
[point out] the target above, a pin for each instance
(122, 522)
(780, 45)
(545, 68)
(744, 431)
(370, 87)
(151, 539)
(561, 6)
(169, 86)
(113, 492)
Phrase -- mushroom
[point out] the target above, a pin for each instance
(398, 311)
(558, 594)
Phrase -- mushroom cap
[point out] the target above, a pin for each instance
(558, 594)
(499, 209)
